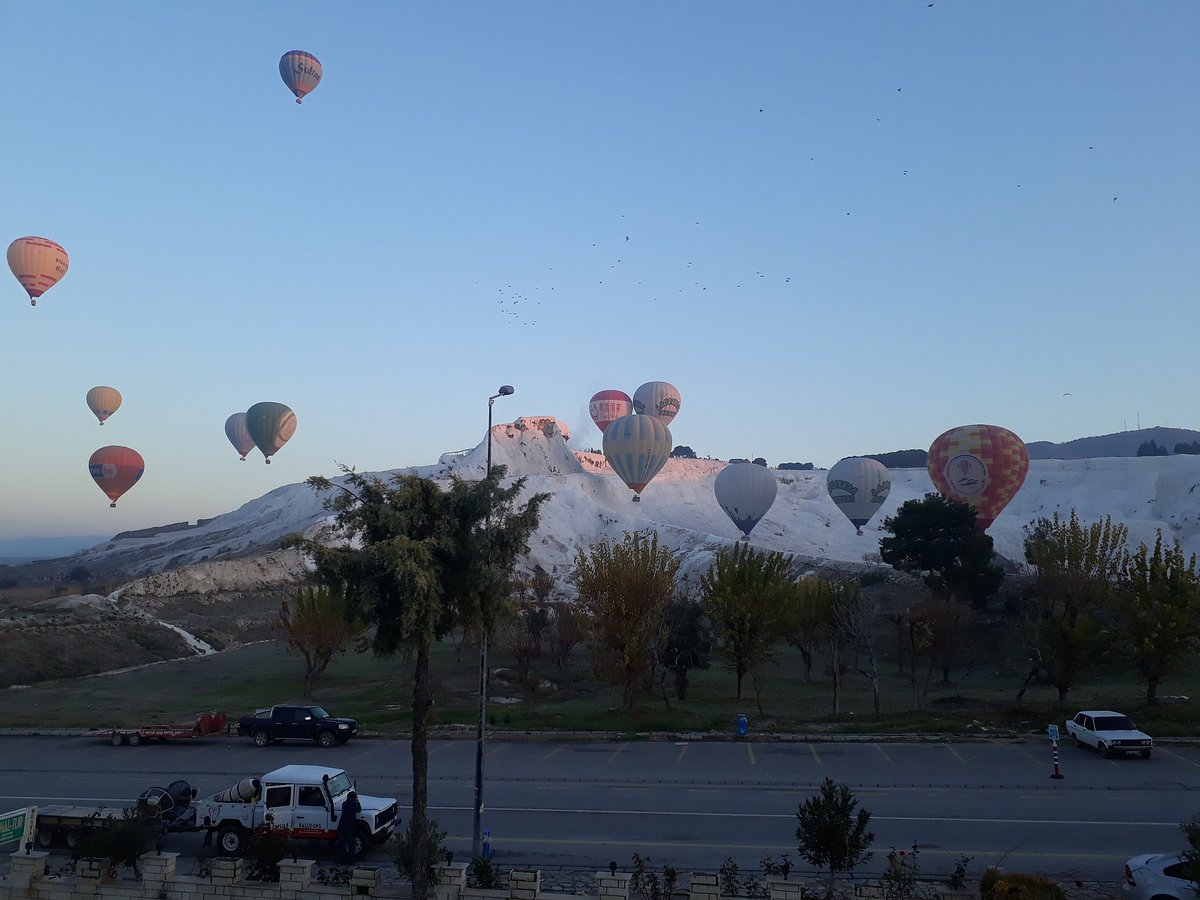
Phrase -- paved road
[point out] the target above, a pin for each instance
(691, 805)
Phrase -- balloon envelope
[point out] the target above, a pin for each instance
(982, 465)
(116, 470)
(38, 263)
(657, 398)
(300, 71)
(235, 430)
(745, 491)
(858, 486)
(637, 447)
(605, 406)
(270, 426)
(103, 401)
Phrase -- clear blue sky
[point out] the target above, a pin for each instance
(837, 228)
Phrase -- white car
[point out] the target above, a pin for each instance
(1158, 877)
(1109, 732)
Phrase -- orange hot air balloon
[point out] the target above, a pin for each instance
(116, 470)
(38, 263)
(981, 465)
(103, 401)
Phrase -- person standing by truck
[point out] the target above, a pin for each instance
(347, 830)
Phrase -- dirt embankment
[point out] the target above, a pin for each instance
(219, 604)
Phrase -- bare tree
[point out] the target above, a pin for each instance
(855, 616)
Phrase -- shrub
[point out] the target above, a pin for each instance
(119, 841)
(265, 850)
(997, 885)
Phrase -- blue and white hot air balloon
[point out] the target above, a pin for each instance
(637, 447)
(746, 492)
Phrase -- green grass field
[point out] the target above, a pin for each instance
(980, 699)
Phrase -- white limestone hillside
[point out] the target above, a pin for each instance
(590, 503)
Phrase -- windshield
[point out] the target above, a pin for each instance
(1114, 723)
(318, 713)
(339, 784)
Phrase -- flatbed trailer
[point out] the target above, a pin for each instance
(66, 824)
(206, 725)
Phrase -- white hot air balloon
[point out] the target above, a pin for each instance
(859, 486)
(637, 447)
(745, 491)
(658, 399)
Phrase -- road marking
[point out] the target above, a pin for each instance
(1161, 749)
(813, 749)
(496, 748)
(1036, 761)
(682, 751)
(555, 750)
(616, 753)
(750, 751)
(954, 753)
(881, 753)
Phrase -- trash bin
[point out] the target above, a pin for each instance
(742, 725)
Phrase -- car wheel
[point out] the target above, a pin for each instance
(135, 739)
(326, 738)
(45, 838)
(231, 839)
(1145, 754)
(1104, 751)
(362, 839)
(261, 738)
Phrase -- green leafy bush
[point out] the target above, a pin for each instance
(120, 841)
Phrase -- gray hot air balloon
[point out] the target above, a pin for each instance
(745, 491)
(658, 399)
(859, 486)
(637, 447)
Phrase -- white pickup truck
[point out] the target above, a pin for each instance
(1109, 732)
(304, 800)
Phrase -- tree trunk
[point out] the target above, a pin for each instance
(1152, 691)
(739, 684)
(829, 888)
(835, 667)
(418, 823)
(1025, 684)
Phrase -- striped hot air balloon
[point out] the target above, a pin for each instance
(858, 486)
(605, 406)
(300, 71)
(235, 430)
(103, 401)
(270, 426)
(116, 470)
(637, 447)
(981, 465)
(746, 492)
(38, 263)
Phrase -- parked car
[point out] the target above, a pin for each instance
(1109, 732)
(1160, 875)
(296, 723)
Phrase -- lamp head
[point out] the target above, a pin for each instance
(505, 389)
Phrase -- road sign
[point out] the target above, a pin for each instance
(1053, 731)
(15, 825)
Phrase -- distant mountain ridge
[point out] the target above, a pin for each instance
(1122, 443)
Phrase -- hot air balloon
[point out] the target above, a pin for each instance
(859, 486)
(745, 491)
(38, 263)
(982, 465)
(608, 405)
(116, 470)
(270, 426)
(103, 401)
(637, 447)
(235, 430)
(300, 71)
(658, 399)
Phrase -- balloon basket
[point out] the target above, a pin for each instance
(113, 505)
(267, 461)
(637, 499)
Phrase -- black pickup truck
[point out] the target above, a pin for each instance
(297, 723)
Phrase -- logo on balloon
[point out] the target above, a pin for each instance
(967, 474)
(879, 492)
(842, 491)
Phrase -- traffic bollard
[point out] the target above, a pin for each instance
(1054, 751)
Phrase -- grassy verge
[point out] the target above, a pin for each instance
(979, 699)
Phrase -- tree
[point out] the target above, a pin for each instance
(565, 632)
(744, 596)
(854, 618)
(522, 630)
(831, 833)
(1075, 568)
(623, 590)
(796, 466)
(1151, 448)
(938, 538)
(1159, 609)
(687, 642)
(414, 560)
(318, 624)
(80, 575)
(683, 452)
(1190, 448)
(759, 461)
(810, 603)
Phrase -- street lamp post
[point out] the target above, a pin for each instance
(477, 832)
